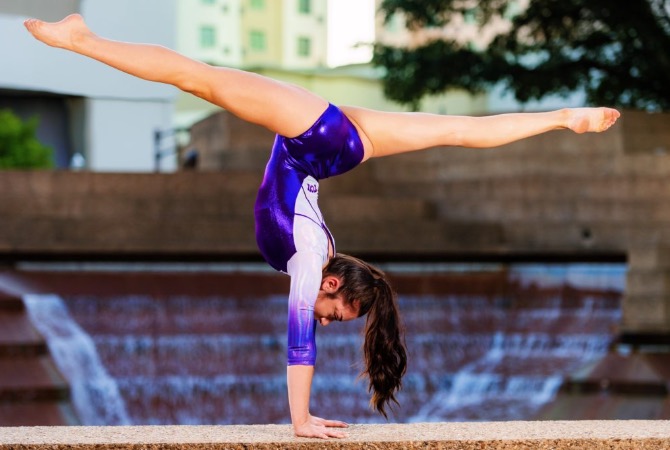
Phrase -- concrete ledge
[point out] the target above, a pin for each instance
(462, 436)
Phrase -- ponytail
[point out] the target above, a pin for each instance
(384, 354)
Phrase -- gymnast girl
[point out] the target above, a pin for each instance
(316, 140)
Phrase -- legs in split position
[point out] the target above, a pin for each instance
(290, 110)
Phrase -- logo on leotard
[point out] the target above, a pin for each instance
(312, 188)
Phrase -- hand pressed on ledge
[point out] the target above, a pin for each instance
(316, 427)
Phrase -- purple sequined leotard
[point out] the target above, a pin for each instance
(290, 230)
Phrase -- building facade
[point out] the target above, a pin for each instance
(288, 40)
(84, 107)
(120, 123)
(286, 34)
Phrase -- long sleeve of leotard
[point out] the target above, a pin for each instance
(305, 271)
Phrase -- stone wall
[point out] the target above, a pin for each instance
(104, 214)
(558, 195)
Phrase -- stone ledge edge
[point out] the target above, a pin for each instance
(625, 434)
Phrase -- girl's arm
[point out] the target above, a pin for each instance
(305, 269)
(299, 382)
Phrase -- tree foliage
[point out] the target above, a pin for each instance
(19, 148)
(616, 51)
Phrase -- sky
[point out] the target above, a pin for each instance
(350, 22)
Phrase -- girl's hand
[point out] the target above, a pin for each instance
(316, 427)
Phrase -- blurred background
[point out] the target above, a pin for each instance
(532, 279)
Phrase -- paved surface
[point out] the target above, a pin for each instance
(462, 436)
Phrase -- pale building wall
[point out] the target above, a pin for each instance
(120, 132)
(135, 108)
(140, 107)
(310, 26)
(231, 30)
(223, 17)
(264, 20)
(237, 27)
(42, 9)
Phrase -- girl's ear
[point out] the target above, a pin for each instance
(330, 284)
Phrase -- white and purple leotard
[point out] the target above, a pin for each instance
(290, 230)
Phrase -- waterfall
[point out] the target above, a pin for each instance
(478, 352)
(497, 380)
(95, 394)
(477, 382)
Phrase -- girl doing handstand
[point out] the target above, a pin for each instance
(316, 140)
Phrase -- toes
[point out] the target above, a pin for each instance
(593, 119)
(31, 24)
(611, 116)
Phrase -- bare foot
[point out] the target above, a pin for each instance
(582, 120)
(63, 34)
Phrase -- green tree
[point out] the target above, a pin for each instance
(616, 51)
(19, 148)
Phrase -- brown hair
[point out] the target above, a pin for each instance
(384, 352)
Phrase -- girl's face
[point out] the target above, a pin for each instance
(329, 309)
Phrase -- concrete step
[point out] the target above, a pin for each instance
(229, 204)
(31, 379)
(588, 238)
(446, 164)
(32, 390)
(121, 234)
(41, 413)
(46, 186)
(531, 187)
(10, 303)
(18, 337)
(157, 196)
(417, 237)
(568, 210)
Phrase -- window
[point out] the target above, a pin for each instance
(208, 2)
(207, 36)
(257, 41)
(304, 46)
(257, 4)
(304, 6)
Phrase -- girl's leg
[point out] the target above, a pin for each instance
(283, 108)
(386, 133)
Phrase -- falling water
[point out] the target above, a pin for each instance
(472, 356)
(94, 393)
